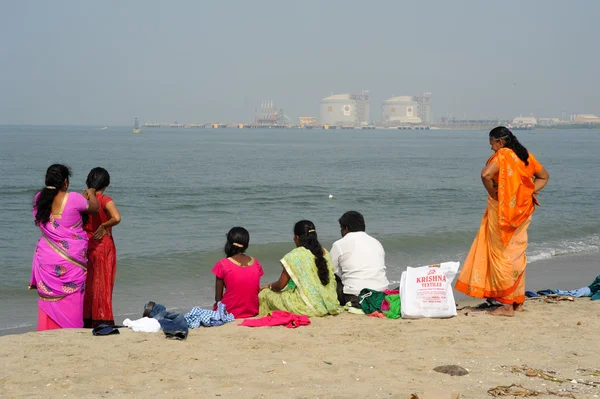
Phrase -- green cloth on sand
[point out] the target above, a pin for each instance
(370, 300)
(394, 310)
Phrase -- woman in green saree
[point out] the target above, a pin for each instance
(307, 284)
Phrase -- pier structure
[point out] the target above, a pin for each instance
(176, 125)
(269, 116)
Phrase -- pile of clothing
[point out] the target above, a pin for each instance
(592, 290)
(382, 304)
(176, 325)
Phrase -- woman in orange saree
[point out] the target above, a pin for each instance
(495, 265)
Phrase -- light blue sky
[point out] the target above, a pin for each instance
(105, 62)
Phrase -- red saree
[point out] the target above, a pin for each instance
(102, 267)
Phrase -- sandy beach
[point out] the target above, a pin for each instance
(335, 357)
(342, 357)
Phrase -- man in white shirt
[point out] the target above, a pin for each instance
(358, 260)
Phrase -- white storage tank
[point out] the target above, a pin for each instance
(338, 109)
(401, 109)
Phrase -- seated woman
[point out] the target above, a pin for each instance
(239, 274)
(307, 284)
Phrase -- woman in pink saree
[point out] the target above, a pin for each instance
(59, 266)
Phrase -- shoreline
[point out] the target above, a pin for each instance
(581, 269)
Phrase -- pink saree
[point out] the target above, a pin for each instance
(59, 266)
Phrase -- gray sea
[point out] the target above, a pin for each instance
(180, 190)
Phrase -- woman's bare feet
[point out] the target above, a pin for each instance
(504, 310)
(518, 307)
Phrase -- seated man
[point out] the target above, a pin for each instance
(358, 260)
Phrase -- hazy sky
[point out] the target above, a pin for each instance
(106, 62)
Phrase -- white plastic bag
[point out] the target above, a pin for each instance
(427, 291)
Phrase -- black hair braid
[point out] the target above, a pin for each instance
(55, 177)
(307, 235)
(510, 141)
(513, 143)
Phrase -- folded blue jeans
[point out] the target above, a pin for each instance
(173, 324)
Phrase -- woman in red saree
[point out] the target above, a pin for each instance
(102, 254)
(58, 269)
(495, 265)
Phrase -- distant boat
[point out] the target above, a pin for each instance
(101, 128)
(136, 127)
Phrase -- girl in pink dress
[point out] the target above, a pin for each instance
(239, 274)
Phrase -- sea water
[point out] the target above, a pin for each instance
(180, 190)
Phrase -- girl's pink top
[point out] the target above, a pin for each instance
(242, 285)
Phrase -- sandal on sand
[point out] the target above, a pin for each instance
(477, 313)
(481, 306)
(565, 298)
(104, 329)
(554, 299)
(546, 293)
(486, 313)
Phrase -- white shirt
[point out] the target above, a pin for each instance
(359, 260)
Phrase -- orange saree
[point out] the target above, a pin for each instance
(495, 265)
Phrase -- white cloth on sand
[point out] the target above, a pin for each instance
(145, 324)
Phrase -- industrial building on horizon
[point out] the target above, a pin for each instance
(354, 110)
(346, 109)
(351, 111)
(407, 110)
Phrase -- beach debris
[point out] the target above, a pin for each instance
(452, 370)
(512, 390)
(551, 376)
(329, 363)
(436, 395)
(578, 323)
(562, 394)
(284, 362)
(546, 375)
(516, 390)
(594, 372)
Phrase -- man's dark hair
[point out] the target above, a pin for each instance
(353, 221)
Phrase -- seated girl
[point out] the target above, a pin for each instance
(239, 275)
(307, 284)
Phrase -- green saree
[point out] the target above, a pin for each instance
(304, 293)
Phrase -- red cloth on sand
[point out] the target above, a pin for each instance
(278, 318)
(377, 314)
